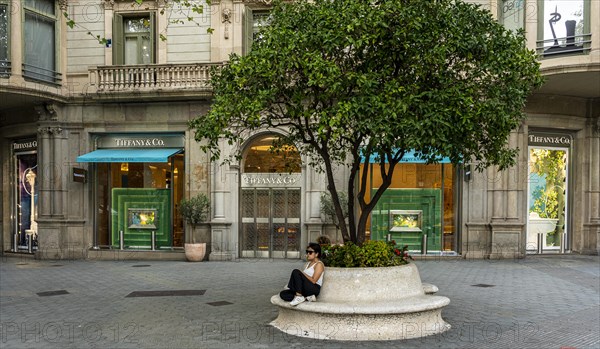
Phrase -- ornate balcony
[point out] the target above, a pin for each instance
(152, 77)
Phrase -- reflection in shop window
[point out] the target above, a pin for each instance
(4, 59)
(512, 14)
(563, 25)
(162, 177)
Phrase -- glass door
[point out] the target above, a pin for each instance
(270, 222)
(26, 198)
(547, 229)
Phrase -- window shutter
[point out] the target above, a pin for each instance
(153, 44)
(118, 39)
(247, 34)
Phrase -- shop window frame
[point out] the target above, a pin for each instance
(32, 72)
(542, 47)
(119, 35)
(5, 64)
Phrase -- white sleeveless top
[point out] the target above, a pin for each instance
(311, 271)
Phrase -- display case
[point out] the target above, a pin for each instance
(406, 220)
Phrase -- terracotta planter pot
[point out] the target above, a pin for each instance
(195, 252)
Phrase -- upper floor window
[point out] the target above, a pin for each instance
(512, 14)
(563, 26)
(39, 41)
(4, 58)
(254, 20)
(134, 39)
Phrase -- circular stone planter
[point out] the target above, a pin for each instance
(195, 252)
(366, 304)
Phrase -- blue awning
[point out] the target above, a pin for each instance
(129, 155)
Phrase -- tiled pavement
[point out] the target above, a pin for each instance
(537, 302)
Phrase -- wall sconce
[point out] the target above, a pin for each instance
(124, 167)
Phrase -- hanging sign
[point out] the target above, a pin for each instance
(79, 175)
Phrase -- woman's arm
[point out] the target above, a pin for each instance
(319, 268)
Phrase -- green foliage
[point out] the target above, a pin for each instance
(347, 78)
(370, 254)
(195, 210)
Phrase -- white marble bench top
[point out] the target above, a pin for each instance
(406, 305)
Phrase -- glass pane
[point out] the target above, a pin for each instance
(103, 207)
(448, 214)
(249, 236)
(279, 203)
(27, 197)
(39, 48)
(262, 158)
(131, 50)
(262, 203)
(146, 50)
(279, 237)
(178, 194)
(547, 192)
(45, 6)
(562, 19)
(137, 25)
(247, 203)
(264, 236)
(3, 36)
(512, 14)
(259, 19)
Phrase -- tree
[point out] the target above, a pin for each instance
(353, 79)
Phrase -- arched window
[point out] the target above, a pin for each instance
(264, 155)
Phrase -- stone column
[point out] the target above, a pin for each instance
(222, 247)
(44, 173)
(16, 43)
(593, 230)
(60, 172)
(475, 234)
(506, 228)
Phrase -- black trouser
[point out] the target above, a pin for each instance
(299, 283)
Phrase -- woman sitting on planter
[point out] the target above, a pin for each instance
(305, 285)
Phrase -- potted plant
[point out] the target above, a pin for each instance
(195, 211)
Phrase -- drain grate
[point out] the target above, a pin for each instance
(483, 285)
(218, 304)
(52, 293)
(140, 265)
(166, 293)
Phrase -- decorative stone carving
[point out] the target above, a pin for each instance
(226, 20)
(63, 4)
(46, 112)
(109, 4)
(596, 127)
(226, 15)
(50, 130)
(259, 2)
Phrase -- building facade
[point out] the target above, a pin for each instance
(96, 154)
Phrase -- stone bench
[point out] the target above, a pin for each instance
(392, 303)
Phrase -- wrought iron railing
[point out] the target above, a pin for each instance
(152, 77)
(41, 74)
(4, 68)
(566, 45)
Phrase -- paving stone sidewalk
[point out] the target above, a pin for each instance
(537, 302)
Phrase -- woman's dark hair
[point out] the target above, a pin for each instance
(316, 247)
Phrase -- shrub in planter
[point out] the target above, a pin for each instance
(195, 211)
(370, 254)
